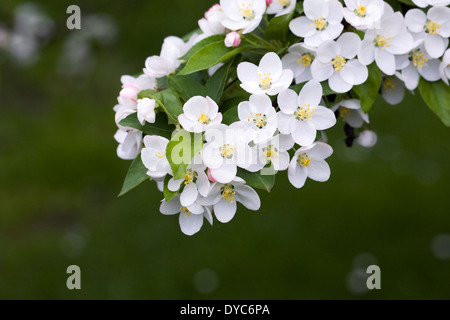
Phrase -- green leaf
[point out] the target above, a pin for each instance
(368, 91)
(299, 8)
(202, 44)
(162, 84)
(325, 88)
(437, 97)
(181, 150)
(216, 84)
(135, 176)
(278, 27)
(187, 87)
(256, 180)
(149, 93)
(408, 2)
(231, 115)
(161, 126)
(172, 105)
(209, 56)
(168, 195)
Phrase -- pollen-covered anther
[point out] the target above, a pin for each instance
(306, 60)
(228, 194)
(304, 160)
(227, 151)
(432, 27)
(361, 11)
(338, 63)
(265, 80)
(305, 113)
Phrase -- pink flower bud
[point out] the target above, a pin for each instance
(269, 2)
(210, 177)
(233, 39)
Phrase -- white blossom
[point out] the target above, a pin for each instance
(245, 15)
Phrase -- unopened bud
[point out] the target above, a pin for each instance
(367, 139)
(233, 39)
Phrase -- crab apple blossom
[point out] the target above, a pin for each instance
(195, 183)
(301, 115)
(392, 89)
(363, 14)
(433, 27)
(281, 7)
(259, 117)
(269, 77)
(299, 59)
(146, 110)
(226, 148)
(190, 217)
(224, 199)
(336, 62)
(271, 152)
(233, 39)
(199, 114)
(383, 44)
(444, 68)
(130, 144)
(321, 23)
(168, 61)
(131, 87)
(245, 15)
(211, 24)
(419, 63)
(153, 156)
(309, 162)
(433, 3)
(352, 113)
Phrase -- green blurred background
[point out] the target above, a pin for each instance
(60, 178)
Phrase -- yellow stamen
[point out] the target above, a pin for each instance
(265, 80)
(160, 155)
(320, 23)
(304, 113)
(344, 112)
(338, 63)
(285, 3)
(247, 12)
(258, 119)
(271, 153)
(304, 160)
(203, 118)
(419, 59)
(361, 11)
(432, 27)
(186, 211)
(228, 193)
(388, 84)
(306, 60)
(227, 151)
(382, 42)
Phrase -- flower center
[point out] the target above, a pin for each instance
(265, 80)
(186, 211)
(285, 3)
(344, 112)
(338, 63)
(304, 113)
(189, 177)
(258, 119)
(228, 193)
(382, 42)
(247, 12)
(304, 160)
(203, 118)
(388, 84)
(419, 59)
(160, 155)
(361, 11)
(432, 27)
(271, 153)
(306, 60)
(320, 23)
(227, 151)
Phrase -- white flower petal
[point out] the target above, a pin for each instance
(337, 84)
(225, 211)
(296, 174)
(304, 133)
(354, 72)
(190, 224)
(319, 170)
(248, 197)
(225, 173)
(310, 94)
(323, 118)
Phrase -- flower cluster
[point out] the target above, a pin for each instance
(250, 93)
